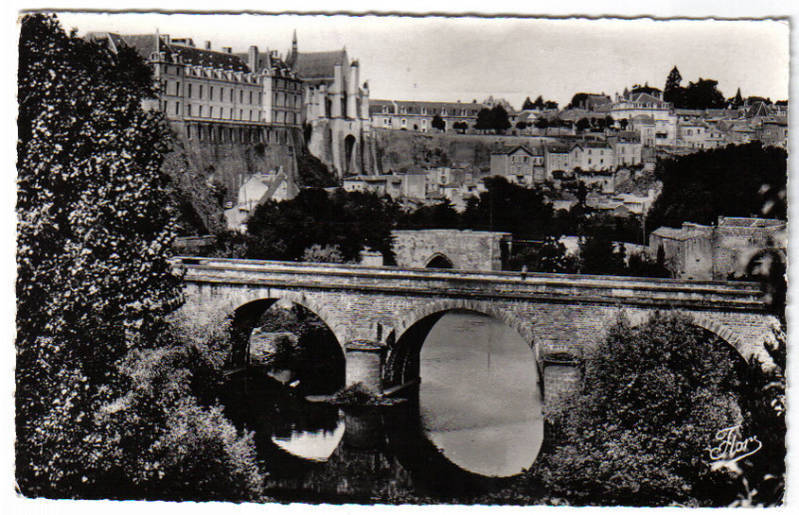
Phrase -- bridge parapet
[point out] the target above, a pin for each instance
(584, 289)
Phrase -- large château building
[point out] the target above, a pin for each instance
(218, 96)
(215, 95)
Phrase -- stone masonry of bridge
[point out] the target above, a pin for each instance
(560, 316)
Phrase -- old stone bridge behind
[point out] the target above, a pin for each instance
(381, 315)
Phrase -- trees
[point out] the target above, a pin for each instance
(672, 91)
(509, 207)
(94, 284)
(351, 221)
(438, 123)
(460, 126)
(703, 94)
(528, 104)
(599, 256)
(547, 256)
(495, 119)
(484, 120)
(731, 181)
(736, 101)
(651, 399)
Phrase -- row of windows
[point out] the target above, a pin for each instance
(235, 135)
(286, 100)
(201, 111)
(219, 94)
(287, 84)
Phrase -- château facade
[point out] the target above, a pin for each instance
(218, 96)
(336, 109)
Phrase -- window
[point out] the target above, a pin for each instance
(201, 91)
(201, 110)
(241, 97)
(251, 97)
(188, 90)
(231, 94)
(404, 122)
(210, 92)
(177, 107)
(241, 114)
(211, 111)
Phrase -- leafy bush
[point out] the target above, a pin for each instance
(652, 398)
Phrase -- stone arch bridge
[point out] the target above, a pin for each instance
(372, 311)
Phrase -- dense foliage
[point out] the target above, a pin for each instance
(350, 221)
(323, 227)
(494, 119)
(731, 181)
(105, 387)
(650, 403)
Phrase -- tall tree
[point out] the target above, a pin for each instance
(94, 284)
(500, 121)
(438, 123)
(672, 91)
(528, 104)
(484, 120)
(736, 101)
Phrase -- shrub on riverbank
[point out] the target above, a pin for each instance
(637, 432)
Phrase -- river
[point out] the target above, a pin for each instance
(475, 423)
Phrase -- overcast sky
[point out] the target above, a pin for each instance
(471, 58)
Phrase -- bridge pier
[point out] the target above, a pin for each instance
(560, 378)
(364, 364)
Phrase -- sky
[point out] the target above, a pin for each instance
(449, 59)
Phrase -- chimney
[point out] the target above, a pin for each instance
(208, 45)
(227, 49)
(252, 58)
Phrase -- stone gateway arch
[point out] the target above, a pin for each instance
(379, 315)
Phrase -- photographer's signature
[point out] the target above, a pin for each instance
(732, 447)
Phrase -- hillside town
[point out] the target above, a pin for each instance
(606, 145)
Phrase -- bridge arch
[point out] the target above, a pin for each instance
(733, 339)
(487, 308)
(744, 349)
(412, 328)
(438, 260)
(317, 308)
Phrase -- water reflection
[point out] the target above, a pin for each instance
(479, 396)
(289, 431)
(315, 445)
(474, 419)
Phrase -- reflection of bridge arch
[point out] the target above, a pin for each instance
(439, 260)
